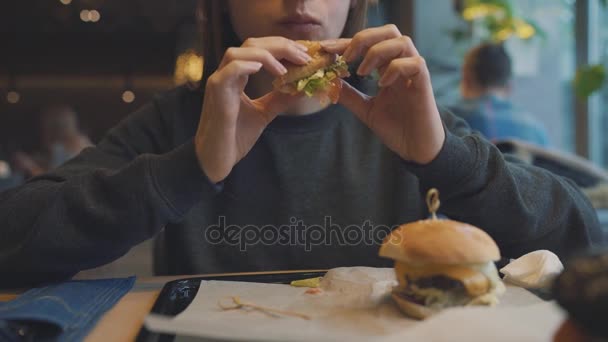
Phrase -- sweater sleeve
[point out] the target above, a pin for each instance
(523, 207)
(94, 208)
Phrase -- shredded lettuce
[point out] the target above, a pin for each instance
(321, 79)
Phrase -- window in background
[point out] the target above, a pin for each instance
(544, 66)
(544, 69)
(598, 138)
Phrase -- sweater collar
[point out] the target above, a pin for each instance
(321, 120)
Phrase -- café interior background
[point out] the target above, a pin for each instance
(106, 58)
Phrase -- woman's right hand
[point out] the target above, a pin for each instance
(231, 122)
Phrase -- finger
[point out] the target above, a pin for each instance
(409, 69)
(336, 45)
(253, 54)
(382, 70)
(382, 53)
(275, 103)
(355, 101)
(365, 39)
(235, 74)
(281, 48)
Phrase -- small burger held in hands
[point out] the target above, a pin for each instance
(320, 77)
(441, 264)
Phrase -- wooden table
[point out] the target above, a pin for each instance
(123, 321)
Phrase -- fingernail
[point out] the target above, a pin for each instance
(282, 70)
(361, 70)
(306, 57)
(347, 54)
(301, 47)
(329, 43)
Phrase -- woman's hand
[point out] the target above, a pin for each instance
(404, 113)
(231, 122)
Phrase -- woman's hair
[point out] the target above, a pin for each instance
(218, 35)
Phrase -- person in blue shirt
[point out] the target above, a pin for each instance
(485, 90)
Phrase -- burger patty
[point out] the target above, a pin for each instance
(438, 282)
(437, 290)
(412, 298)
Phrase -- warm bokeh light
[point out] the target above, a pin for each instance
(94, 16)
(128, 96)
(65, 2)
(188, 67)
(84, 15)
(13, 97)
(90, 16)
(5, 169)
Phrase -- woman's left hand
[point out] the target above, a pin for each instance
(403, 114)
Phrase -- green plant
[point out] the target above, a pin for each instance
(495, 21)
(589, 78)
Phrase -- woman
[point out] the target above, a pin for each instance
(243, 178)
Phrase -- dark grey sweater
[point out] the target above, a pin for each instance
(316, 191)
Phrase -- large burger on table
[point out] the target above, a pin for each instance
(441, 264)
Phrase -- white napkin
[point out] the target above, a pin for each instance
(534, 270)
(360, 286)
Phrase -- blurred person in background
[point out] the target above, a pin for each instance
(485, 103)
(60, 138)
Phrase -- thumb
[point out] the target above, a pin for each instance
(355, 101)
(335, 45)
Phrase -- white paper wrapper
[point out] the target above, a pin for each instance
(338, 316)
(534, 270)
